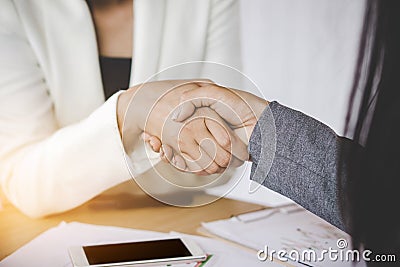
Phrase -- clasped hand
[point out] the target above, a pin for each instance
(196, 126)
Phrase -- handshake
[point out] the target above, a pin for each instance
(195, 125)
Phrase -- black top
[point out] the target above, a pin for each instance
(115, 74)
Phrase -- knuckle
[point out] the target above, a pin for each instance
(190, 127)
(181, 142)
(213, 168)
(184, 134)
(236, 162)
(184, 96)
(225, 142)
(223, 160)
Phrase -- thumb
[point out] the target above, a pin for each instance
(183, 111)
(192, 99)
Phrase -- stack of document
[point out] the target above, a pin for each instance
(50, 249)
(290, 229)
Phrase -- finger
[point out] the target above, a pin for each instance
(148, 143)
(235, 162)
(174, 159)
(179, 162)
(162, 155)
(190, 100)
(161, 152)
(168, 153)
(155, 143)
(228, 140)
(145, 136)
(224, 101)
(206, 141)
(215, 138)
(205, 82)
(192, 166)
(206, 160)
(202, 173)
(198, 157)
(203, 148)
(215, 152)
(184, 111)
(223, 142)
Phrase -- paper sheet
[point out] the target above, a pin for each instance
(226, 255)
(282, 229)
(51, 248)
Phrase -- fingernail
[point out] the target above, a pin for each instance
(176, 113)
(146, 137)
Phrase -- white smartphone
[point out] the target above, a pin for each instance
(138, 253)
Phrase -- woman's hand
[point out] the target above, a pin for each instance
(137, 103)
(206, 142)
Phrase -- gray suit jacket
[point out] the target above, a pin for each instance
(301, 161)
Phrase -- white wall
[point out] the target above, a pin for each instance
(301, 53)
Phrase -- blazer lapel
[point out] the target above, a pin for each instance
(148, 25)
(63, 38)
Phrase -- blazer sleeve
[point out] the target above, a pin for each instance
(46, 169)
(299, 157)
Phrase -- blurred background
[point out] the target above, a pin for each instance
(301, 54)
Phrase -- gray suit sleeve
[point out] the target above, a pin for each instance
(301, 161)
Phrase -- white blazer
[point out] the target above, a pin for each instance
(59, 142)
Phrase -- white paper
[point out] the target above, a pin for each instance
(50, 249)
(296, 229)
(226, 255)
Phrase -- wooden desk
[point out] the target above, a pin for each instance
(125, 206)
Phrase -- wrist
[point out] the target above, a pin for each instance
(258, 108)
(258, 105)
(127, 127)
(122, 105)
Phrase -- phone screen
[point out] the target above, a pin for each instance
(136, 251)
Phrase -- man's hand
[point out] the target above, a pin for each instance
(241, 110)
(210, 155)
(238, 108)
